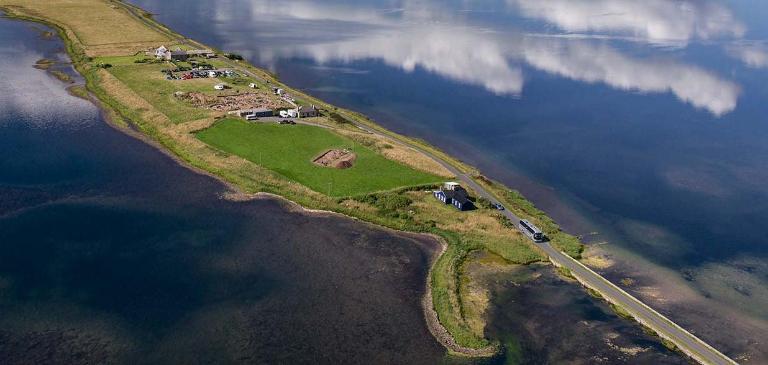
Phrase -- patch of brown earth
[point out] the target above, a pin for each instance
(338, 159)
(227, 103)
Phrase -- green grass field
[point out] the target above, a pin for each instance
(289, 150)
(150, 84)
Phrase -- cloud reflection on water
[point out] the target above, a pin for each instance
(754, 55)
(411, 38)
(36, 94)
(578, 60)
(655, 20)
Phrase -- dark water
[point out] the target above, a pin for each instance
(644, 122)
(111, 252)
(544, 319)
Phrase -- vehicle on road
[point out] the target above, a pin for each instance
(286, 121)
(531, 231)
(498, 206)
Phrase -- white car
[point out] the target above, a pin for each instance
(219, 87)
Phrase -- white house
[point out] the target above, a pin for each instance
(308, 112)
(160, 52)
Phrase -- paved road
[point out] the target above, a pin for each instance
(685, 340)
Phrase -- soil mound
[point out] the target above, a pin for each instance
(338, 159)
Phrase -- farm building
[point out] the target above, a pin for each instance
(452, 193)
(308, 112)
(258, 112)
(176, 56)
(179, 55)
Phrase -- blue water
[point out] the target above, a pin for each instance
(638, 124)
(111, 252)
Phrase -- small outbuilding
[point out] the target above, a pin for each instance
(219, 87)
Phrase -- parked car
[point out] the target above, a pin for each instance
(251, 117)
(498, 206)
(286, 121)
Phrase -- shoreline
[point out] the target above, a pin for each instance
(113, 114)
(235, 194)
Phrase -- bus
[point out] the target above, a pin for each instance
(531, 231)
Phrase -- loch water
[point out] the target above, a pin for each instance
(638, 125)
(111, 252)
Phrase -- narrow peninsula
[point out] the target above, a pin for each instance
(221, 115)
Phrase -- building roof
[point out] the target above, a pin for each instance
(258, 110)
(459, 194)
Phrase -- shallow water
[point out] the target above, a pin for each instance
(543, 318)
(111, 252)
(638, 124)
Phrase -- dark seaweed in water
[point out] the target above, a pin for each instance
(543, 319)
(110, 252)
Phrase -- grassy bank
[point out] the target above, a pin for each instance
(387, 185)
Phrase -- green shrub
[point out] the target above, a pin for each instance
(387, 202)
(336, 117)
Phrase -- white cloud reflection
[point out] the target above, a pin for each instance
(754, 55)
(38, 96)
(579, 60)
(654, 20)
(456, 53)
(407, 39)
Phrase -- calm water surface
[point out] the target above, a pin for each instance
(111, 252)
(639, 124)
